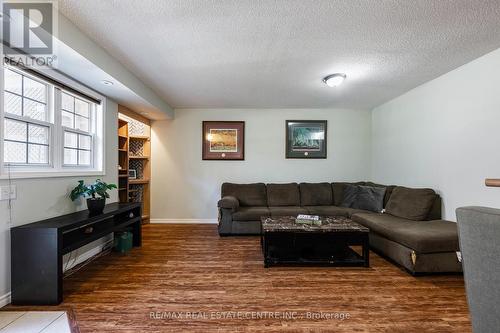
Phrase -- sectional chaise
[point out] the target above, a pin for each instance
(408, 230)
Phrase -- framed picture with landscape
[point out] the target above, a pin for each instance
(223, 140)
(306, 138)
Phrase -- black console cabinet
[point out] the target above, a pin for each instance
(38, 248)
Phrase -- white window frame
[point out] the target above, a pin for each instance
(50, 126)
(56, 167)
(91, 133)
(48, 122)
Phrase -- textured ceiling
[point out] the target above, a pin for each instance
(274, 53)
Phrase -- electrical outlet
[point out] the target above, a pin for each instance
(8, 192)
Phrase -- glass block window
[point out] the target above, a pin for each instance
(77, 149)
(24, 96)
(25, 143)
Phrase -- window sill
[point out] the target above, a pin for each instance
(52, 174)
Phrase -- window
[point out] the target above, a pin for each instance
(77, 149)
(76, 121)
(75, 113)
(26, 129)
(26, 143)
(47, 127)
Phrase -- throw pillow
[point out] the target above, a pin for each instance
(364, 197)
(410, 203)
(338, 191)
(350, 193)
(370, 198)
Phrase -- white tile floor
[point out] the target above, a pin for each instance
(34, 322)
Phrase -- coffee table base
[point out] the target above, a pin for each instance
(315, 249)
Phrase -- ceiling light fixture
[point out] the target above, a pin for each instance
(334, 80)
(107, 82)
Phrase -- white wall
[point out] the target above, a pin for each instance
(42, 198)
(444, 135)
(185, 187)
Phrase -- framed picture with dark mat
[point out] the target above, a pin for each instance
(306, 138)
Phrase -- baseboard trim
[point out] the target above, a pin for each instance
(4, 300)
(183, 221)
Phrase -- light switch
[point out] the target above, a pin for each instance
(8, 192)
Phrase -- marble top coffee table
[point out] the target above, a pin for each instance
(285, 242)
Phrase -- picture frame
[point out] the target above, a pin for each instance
(306, 139)
(223, 140)
(132, 174)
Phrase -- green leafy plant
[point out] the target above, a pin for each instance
(99, 188)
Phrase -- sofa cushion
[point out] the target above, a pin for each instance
(247, 194)
(316, 194)
(411, 203)
(388, 190)
(435, 211)
(250, 213)
(283, 194)
(338, 191)
(287, 211)
(333, 211)
(421, 236)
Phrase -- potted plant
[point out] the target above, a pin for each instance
(96, 193)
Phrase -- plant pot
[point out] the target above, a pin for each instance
(96, 205)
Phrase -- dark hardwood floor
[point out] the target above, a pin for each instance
(188, 268)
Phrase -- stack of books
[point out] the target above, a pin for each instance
(308, 219)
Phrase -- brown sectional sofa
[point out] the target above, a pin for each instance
(427, 245)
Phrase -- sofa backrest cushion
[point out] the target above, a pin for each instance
(411, 203)
(369, 198)
(316, 194)
(247, 194)
(338, 191)
(283, 194)
(435, 212)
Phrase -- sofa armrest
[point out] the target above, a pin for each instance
(229, 202)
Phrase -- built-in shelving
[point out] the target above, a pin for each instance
(138, 157)
(137, 153)
(123, 160)
(139, 137)
(138, 181)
